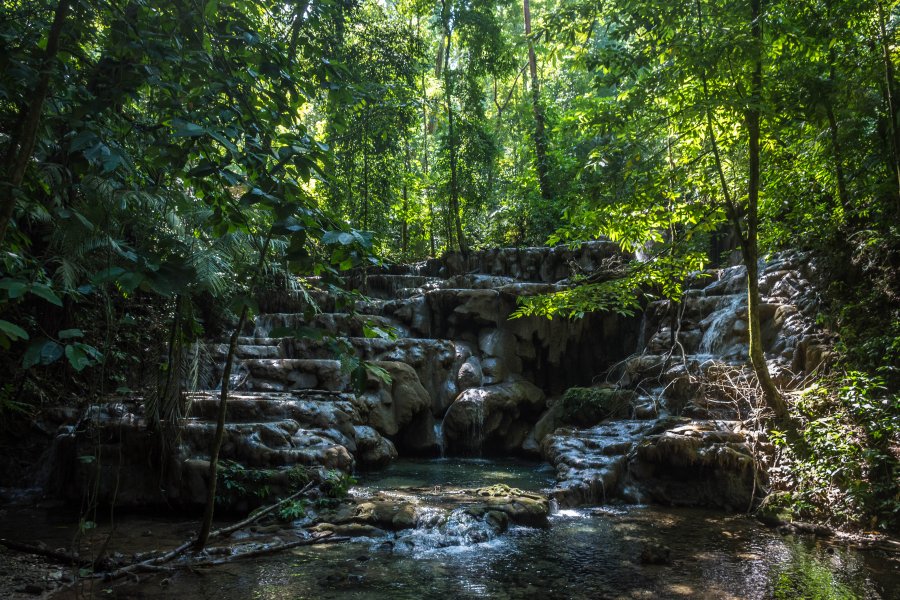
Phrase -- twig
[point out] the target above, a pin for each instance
(325, 538)
(151, 563)
(259, 514)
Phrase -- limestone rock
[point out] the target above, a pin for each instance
(492, 418)
(372, 450)
(698, 464)
(402, 412)
(470, 375)
(520, 508)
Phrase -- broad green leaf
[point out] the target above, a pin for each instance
(42, 291)
(338, 237)
(42, 351)
(14, 287)
(13, 331)
(186, 129)
(81, 355)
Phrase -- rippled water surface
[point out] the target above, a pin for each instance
(583, 554)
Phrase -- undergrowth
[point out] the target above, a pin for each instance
(842, 464)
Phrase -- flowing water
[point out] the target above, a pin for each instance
(585, 553)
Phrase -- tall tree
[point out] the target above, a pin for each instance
(540, 136)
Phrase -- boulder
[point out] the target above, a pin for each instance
(696, 464)
(470, 375)
(372, 450)
(492, 418)
(520, 508)
(401, 411)
(591, 464)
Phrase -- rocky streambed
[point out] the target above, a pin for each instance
(621, 412)
(417, 533)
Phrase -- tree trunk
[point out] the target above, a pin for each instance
(455, 216)
(889, 84)
(213, 472)
(404, 227)
(425, 157)
(749, 244)
(365, 206)
(748, 236)
(838, 156)
(540, 136)
(18, 153)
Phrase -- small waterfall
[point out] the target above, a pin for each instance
(719, 325)
(439, 436)
(477, 434)
(642, 336)
(436, 530)
(264, 325)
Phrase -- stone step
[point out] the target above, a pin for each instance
(287, 374)
(315, 409)
(388, 285)
(248, 349)
(270, 444)
(328, 323)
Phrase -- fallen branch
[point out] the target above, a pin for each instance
(156, 561)
(65, 558)
(325, 538)
(259, 514)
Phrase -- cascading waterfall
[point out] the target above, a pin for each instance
(439, 436)
(478, 425)
(720, 322)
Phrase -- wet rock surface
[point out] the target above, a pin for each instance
(690, 437)
(463, 378)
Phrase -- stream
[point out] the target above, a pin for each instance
(585, 553)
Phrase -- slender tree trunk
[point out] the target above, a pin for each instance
(889, 87)
(455, 216)
(21, 146)
(365, 207)
(750, 243)
(838, 156)
(425, 158)
(213, 473)
(540, 136)
(425, 163)
(404, 227)
(748, 235)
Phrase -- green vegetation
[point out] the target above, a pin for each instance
(586, 407)
(240, 484)
(166, 167)
(805, 577)
(842, 464)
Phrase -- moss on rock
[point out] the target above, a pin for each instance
(585, 407)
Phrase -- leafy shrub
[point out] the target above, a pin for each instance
(844, 462)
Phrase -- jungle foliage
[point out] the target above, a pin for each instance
(163, 164)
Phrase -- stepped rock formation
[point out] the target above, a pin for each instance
(467, 380)
(691, 438)
(457, 360)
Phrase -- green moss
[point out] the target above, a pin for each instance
(585, 407)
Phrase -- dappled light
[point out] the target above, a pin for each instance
(449, 299)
